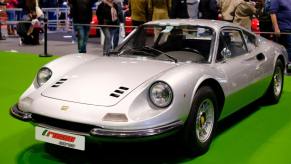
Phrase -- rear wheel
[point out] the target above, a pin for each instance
(201, 123)
(275, 89)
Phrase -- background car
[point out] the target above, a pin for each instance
(180, 81)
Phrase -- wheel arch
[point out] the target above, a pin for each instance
(281, 57)
(216, 87)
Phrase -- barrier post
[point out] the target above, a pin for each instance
(45, 54)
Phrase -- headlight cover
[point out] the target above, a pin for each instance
(161, 94)
(43, 75)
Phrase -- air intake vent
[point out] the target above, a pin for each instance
(58, 83)
(118, 92)
(114, 95)
(124, 88)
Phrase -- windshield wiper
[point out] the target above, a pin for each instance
(134, 50)
(161, 53)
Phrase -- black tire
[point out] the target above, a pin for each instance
(190, 139)
(272, 95)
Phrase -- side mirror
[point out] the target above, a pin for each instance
(226, 53)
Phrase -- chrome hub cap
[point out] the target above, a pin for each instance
(277, 81)
(205, 120)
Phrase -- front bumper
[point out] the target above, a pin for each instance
(93, 131)
(15, 112)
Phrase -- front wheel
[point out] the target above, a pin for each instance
(275, 89)
(201, 123)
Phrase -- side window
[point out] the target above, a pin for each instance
(234, 42)
(250, 40)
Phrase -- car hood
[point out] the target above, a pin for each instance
(104, 81)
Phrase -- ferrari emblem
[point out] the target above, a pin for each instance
(64, 108)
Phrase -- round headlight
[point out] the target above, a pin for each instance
(43, 75)
(161, 94)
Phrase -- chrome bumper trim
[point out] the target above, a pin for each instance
(17, 113)
(99, 132)
(136, 133)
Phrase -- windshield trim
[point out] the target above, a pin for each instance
(132, 34)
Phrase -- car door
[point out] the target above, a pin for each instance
(260, 76)
(233, 60)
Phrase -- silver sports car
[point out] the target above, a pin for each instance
(168, 77)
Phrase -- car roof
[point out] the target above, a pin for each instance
(215, 24)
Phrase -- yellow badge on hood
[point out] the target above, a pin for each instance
(64, 108)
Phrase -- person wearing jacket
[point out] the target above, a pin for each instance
(81, 11)
(159, 9)
(138, 10)
(110, 16)
(179, 9)
(227, 8)
(208, 9)
(243, 14)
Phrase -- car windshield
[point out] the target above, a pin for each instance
(168, 42)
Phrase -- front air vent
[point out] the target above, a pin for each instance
(118, 92)
(114, 95)
(59, 83)
(124, 88)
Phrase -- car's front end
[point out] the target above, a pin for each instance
(118, 104)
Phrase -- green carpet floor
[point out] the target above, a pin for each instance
(255, 135)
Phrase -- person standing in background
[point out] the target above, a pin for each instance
(159, 9)
(2, 9)
(82, 17)
(110, 16)
(263, 7)
(11, 4)
(227, 8)
(138, 10)
(179, 9)
(193, 8)
(243, 14)
(208, 9)
(120, 32)
(29, 5)
(281, 18)
(19, 14)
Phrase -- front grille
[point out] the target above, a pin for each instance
(67, 125)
